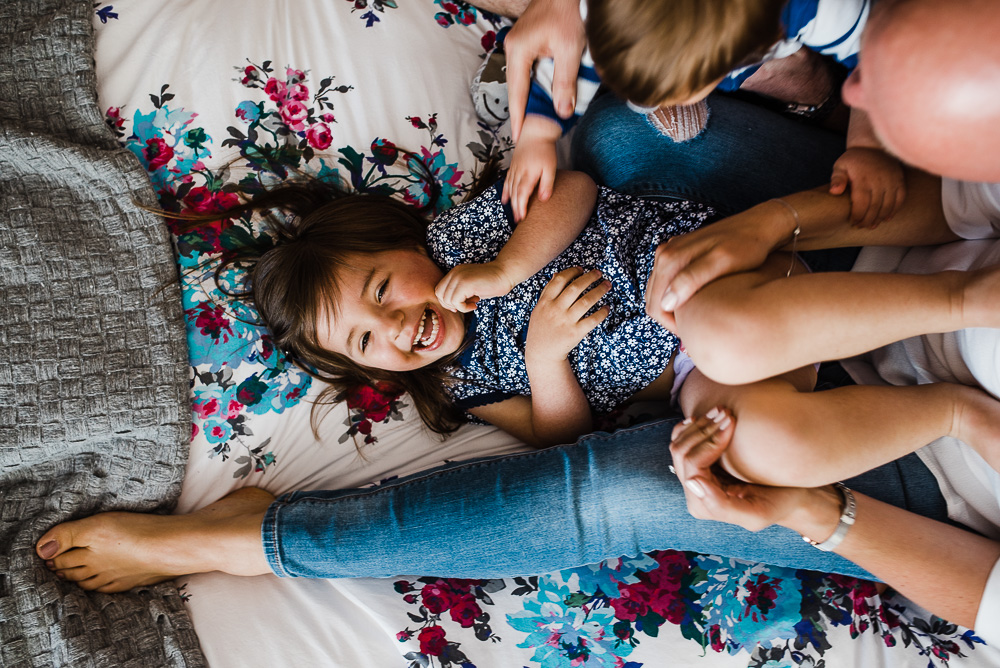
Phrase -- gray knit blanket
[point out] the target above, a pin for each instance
(93, 362)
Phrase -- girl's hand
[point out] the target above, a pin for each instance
(559, 321)
(878, 186)
(712, 494)
(466, 284)
(532, 166)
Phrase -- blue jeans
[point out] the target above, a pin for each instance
(745, 155)
(606, 496)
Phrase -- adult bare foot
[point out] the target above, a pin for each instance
(116, 551)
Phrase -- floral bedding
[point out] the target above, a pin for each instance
(211, 97)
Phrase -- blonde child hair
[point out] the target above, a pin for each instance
(654, 53)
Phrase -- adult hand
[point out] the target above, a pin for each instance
(560, 321)
(685, 264)
(462, 287)
(711, 494)
(546, 29)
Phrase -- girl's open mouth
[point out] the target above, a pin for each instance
(429, 331)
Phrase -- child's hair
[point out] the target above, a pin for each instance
(290, 277)
(653, 52)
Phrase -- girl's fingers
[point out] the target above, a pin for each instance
(578, 309)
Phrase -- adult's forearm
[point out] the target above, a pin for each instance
(939, 566)
(825, 219)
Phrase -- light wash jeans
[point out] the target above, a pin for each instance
(606, 496)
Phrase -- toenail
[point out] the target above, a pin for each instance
(51, 565)
(49, 549)
(60, 575)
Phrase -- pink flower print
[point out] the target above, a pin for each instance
(114, 114)
(449, 7)
(276, 90)
(416, 122)
(319, 136)
(234, 409)
(157, 153)
(294, 76)
(403, 636)
(466, 18)
(328, 118)
(249, 74)
(194, 430)
(207, 409)
(298, 92)
(294, 113)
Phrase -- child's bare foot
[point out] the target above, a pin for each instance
(117, 551)
(977, 423)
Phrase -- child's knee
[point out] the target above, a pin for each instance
(772, 445)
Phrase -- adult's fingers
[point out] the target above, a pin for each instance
(519, 64)
(693, 435)
(566, 68)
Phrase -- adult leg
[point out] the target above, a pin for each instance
(745, 155)
(606, 496)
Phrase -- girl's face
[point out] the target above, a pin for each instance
(388, 317)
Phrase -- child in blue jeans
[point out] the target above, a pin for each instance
(666, 57)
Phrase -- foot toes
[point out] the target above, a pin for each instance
(75, 574)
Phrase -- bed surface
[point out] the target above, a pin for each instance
(337, 86)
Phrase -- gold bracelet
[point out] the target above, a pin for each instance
(795, 232)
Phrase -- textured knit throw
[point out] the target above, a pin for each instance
(93, 363)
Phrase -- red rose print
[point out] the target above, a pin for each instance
(432, 640)
(158, 153)
(466, 611)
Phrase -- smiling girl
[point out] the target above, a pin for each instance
(535, 327)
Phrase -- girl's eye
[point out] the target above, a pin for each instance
(364, 341)
(381, 291)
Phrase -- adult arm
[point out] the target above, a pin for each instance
(545, 232)
(742, 242)
(509, 8)
(545, 29)
(941, 567)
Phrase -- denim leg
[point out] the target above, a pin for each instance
(745, 155)
(606, 496)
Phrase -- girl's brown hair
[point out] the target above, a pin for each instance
(292, 273)
(651, 52)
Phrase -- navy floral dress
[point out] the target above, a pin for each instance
(623, 354)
